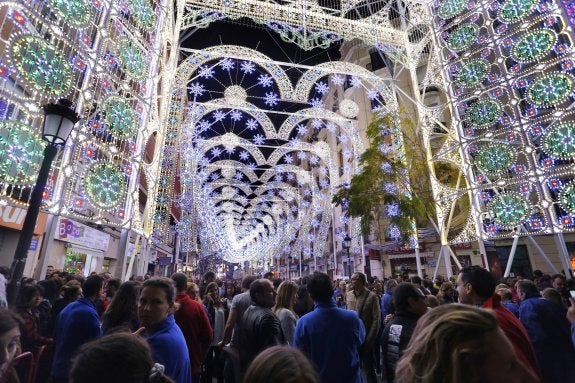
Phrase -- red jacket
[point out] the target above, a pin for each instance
(192, 319)
(515, 332)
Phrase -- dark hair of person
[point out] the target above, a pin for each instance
(92, 286)
(480, 279)
(416, 280)
(506, 294)
(555, 276)
(230, 284)
(181, 281)
(320, 288)
(71, 290)
(389, 284)
(50, 289)
(114, 282)
(247, 281)
(209, 275)
(9, 320)
(281, 364)
(362, 277)
(162, 283)
(257, 287)
(211, 285)
(114, 358)
(26, 293)
(528, 288)
(124, 304)
(402, 293)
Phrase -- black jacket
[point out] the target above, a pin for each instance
(394, 340)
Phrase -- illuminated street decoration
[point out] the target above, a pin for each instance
(76, 12)
(132, 58)
(105, 185)
(559, 141)
(484, 113)
(510, 209)
(41, 65)
(534, 45)
(515, 10)
(450, 8)
(550, 89)
(567, 198)
(144, 14)
(496, 158)
(473, 72)
(21, 150)
(119, 117)
(462, 37)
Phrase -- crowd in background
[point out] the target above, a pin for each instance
(67, 328)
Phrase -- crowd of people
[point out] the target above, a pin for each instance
(68, 328)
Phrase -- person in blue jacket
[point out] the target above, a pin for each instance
(155, 311)
(77, 324)
(330, 337)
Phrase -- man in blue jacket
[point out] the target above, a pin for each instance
(77, 324)
(155, 310)
(330, 337)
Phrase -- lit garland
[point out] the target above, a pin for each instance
(550, 89)
(484, 113)
(132, 58)
(515, 10)
(76, 12)
(534, 45)
(496, 158)
(559, 141)
(473, 72)
(105, 185)
(145, 16)
(463, 37)
(509, 209)
(20, 153)
(450, 8)
(567, 198)
(119, 117)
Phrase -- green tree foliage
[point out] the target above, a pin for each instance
(369, 196)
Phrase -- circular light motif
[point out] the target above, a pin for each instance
(75, 12)
(496, 158)
(105, 185)
(348, 108)
(515, 10)
(483, 113)
(119, 117)
(132, 59)
(533, 45)
(144, 14)
(550, 89)
(450, 8)
(567, 197)
(235, 94)
(41, 66)
(559, 141)
(473, 72)
(463, 37)
(21, 153)
(509, 209)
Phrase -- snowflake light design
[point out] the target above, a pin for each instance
(533, 45)
(496, 158)
(21, 152)
(197, 89)
(41, 65)
(259, 139)
(322, 87)
(132, 59)
(271, 99)
(462, 37)
(473, 72)
(265, 80)
(76, 12)
(119, 117)
(337, 79)
(567, 197)
(206, 72)
(251, 124)
(484, 113)
(227, 64)
(509, 209)
(559, 141)
(248, 67)
(515, 10)
(550, 89)
(105, 185)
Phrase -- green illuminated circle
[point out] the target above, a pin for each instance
(515, 10)
(463, 37)
(533, 45)
(41, 66)
(496, 158)
(450, 8)
(119, 117)
(75, 12)
(509, 209)
(473, 72)
(132, 59)
(105, 185)
(483, 113)
(144, 14)
(21, 153)
(567, 197)
(559, 141)
(550, 89)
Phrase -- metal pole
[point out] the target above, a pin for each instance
(25, 239)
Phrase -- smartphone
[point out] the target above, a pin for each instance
(572, 292)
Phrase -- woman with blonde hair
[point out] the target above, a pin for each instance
(446, 293)
(460, 343)
(285, 300)
(281, 364)
(194, 292)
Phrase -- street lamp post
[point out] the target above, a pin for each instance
(59, 120)
(347, 245)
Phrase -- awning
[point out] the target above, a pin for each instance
(427, 254)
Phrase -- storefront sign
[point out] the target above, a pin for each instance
(79, 234)
(13, 218)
